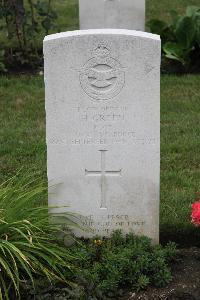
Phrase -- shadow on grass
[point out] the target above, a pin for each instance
(186, 236)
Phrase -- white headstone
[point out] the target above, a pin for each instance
(103, 128)
(124, 14)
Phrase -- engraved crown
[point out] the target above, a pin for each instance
(101, 51)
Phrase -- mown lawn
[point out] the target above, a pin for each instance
(22, 140)
(22, 125)
(161, 8)
(180, 153)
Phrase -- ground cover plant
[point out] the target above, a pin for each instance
(109, 266)
(30, 248)
(105, 268)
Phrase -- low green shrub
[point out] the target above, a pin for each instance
(180, 40)
(30, 249)
(108, 266)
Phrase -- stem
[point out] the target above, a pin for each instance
(7, 5)
(32, 12)
(18, 31)
(49, 7)
(33, 21)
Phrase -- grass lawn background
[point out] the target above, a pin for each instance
(22, 127)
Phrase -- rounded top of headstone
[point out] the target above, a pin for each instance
(123, 32)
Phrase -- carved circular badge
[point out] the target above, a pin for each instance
(102, 77)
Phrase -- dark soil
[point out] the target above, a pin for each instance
(185, 284)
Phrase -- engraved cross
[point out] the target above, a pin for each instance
(103, 174)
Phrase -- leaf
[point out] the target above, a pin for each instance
(5, 289)
(198, 36)
(29, 242)
(47, 24)
(2, 67)
(175, 17)
(197, 23)
(42, 8)
(52, 14)
(157, 26)
(174, 51)
(5, 266)
(192, 10)
(185, 32)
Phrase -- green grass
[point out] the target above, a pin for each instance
(22, 139)
(22, 125)
(67, 11)
(180, 144)
(161, 8)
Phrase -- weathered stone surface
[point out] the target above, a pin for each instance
(103, 128)
(124, 14)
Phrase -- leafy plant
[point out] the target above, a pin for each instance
(181, 38)
(23, 23)
(47, 14)
(121, 262)
(30, 247)
(2, 65)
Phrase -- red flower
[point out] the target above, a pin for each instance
(196, 213)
